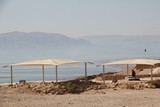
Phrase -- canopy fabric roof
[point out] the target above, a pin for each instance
(134, 61)
(43, 62)
(46, 62)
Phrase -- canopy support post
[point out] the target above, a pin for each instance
(85, 69)
(127, 70)
(103, 74)
(56, 73)
(43, 73)
(151, 74)
(11, 75)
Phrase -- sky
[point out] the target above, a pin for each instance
(78, 18)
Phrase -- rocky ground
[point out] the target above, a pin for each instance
(81, 93)
(74, 86)
(92, 98)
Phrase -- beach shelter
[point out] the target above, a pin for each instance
(46, 62)
(149, 62)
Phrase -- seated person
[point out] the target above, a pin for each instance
(133, 73)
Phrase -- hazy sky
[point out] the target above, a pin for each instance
(81, 17)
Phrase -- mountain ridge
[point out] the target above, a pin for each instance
(22, 39)
(40, 45)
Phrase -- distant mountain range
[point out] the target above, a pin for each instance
(123, 46)
(37, 39)
(20, 46)
(15, 46)
(123, 40)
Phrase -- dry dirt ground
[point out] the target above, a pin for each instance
(93, 98)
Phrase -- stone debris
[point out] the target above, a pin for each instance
(78, 86)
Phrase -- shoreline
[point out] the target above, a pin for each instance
(93, 80)
(33, 82)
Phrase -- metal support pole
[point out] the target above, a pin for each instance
(11, 76)
(56, 73)
(151, 75)
(103, 74)
(127, 70)
(43, 73)
(85, 69)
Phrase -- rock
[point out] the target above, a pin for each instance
(33, 88)
(152, 86)
(99, 87)
(78, 90)
(45, 92)
(22, 83)
(38, 91)
(115, 89)
(103, 92)
(14, 86)
(114, 80)
(63, 87)
(10, 85)
(95, 87)
(28, 86)
(49, 90)
(113, 85)
(146, 85)
(61, 91)
(57, 86)
(53, 91)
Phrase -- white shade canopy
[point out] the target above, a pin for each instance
(134, 61)
(45, 62)
(150, 62)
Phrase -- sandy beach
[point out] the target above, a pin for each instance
(99, 98)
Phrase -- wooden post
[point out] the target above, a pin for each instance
(85, 69)
(103, 74)
(11, 76)
(56, 73)
(43, 73)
